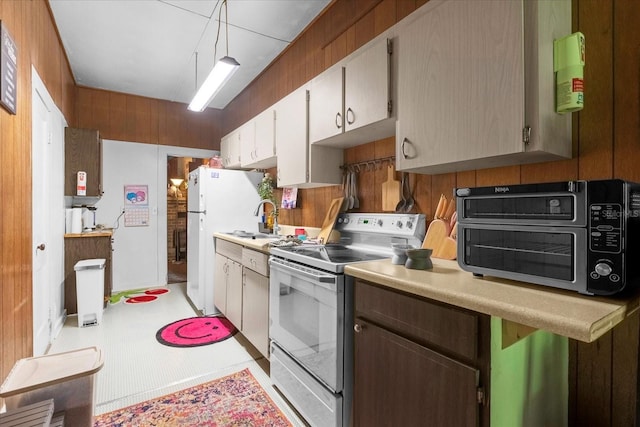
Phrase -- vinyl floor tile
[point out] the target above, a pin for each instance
(137, 367)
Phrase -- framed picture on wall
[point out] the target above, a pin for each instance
(8, 70)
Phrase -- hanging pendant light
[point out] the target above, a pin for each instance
(219, 75)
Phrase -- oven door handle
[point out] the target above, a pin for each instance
(324, 280)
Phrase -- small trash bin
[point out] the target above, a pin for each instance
(67, 378)
(89, 291)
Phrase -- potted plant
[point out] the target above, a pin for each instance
(265, 190)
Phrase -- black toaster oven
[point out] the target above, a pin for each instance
(577, 235)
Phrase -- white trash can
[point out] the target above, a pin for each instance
(90, 291)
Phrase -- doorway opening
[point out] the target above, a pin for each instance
(178, 169)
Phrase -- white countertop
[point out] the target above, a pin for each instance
(261, 245)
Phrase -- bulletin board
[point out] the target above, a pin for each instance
(136, 206)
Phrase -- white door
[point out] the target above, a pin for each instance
(41, 163)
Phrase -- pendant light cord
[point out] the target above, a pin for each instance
(226, 24)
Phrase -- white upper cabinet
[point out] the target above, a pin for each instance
(350, 103)
(230, 149)
(326, 105)
(367, 94)
(299, 164)
(469, 97)
(257, 140)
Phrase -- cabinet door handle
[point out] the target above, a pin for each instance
(357, 328)
(40, 247)
(349, 110)
(339, 120)
(404, 153)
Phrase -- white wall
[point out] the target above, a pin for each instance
(140, 253)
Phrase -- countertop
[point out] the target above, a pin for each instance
(261, 245)
(565, 313)
(103, 233)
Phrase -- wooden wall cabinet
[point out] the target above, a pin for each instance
(350, 104)
(469, 97)
(79, 248)
(299, 163)
(82, 152)
(418, 360)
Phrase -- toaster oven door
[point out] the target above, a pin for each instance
(548, 209)
(552, 256)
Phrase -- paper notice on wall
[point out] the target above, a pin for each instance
(289, 198)
(136, 205)
(81, 186)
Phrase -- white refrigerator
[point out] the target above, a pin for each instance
(219, 200)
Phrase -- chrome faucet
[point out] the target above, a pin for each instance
(275, 217)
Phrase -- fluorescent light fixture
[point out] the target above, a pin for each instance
(176, 181)
(221, 73)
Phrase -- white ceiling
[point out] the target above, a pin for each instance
(149, 47)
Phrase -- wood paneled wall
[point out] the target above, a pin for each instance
(603, 375)
(32, 28)
(125, 117)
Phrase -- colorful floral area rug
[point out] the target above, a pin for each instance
(234, 400)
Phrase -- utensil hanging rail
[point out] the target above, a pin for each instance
(368, 165)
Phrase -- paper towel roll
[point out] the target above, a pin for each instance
(67, 220)
(76, 220)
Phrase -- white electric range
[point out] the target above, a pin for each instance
(311, 312)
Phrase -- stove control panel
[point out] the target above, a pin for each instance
(393, 224)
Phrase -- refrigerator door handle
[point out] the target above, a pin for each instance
(198, 212)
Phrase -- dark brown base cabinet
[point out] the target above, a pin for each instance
(79, 248)
(418, 362)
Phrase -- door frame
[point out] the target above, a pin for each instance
(50, 215)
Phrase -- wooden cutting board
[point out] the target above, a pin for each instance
(390, 191)
(436, 233)
(437, 237)
(448, 249)
(330, 220)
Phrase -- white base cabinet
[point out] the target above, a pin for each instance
(227, 292)
(255, 310)
(255, 299)
(241, 291)
(468, 96)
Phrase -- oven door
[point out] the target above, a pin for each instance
(306, 311)
(553, 256)
(549, 209)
